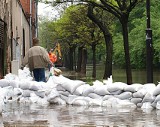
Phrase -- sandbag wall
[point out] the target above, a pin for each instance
(61, 90)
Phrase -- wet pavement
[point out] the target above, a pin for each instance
(26, 115)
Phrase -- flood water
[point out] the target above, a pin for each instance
(78, 116)
(118, 75)
(26, 115)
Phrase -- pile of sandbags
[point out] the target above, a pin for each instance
(62, 90)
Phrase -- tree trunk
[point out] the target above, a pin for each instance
(79, 61)
(94, 61)
(71, 58)
(108, 41)
(109, 52)
(126, 49)
(84, 61)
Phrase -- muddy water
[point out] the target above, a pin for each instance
(77, 116)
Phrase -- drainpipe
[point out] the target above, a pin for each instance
(30, 21)
(36, 17)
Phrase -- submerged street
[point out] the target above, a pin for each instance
(77, 116)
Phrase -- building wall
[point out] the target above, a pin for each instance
(20, 27)
(16, 32)
(5, 51)
(26, 6)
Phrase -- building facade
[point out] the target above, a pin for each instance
(17, 27)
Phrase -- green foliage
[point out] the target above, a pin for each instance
(137, 37)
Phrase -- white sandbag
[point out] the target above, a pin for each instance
(71, 98)
(14, 83)
(139, 105)
(1, 107)
(4, 83)
(60, 88)
(79, 101)
(72, 85)
(95, 102)
(59, 79)
(125, 104)
(146, 105)
(87, 90)
(25, 100)
(25, 74)
(106, 103)
(101, 90)
(150, 87)
(140, 93)
(80, 89)
(157, 99)
(108, 81)
(124, 95)
(114, 101)
(65, 98)
(116, 92)
(24, 85)
(17, 94)
(18, 91)
(26, 93)
(94, 96)
(133, 88)
(35, 86)
(157, 90)
(11, 76)
(4, 93)
(148, 98)
(97, 83)
(51, 83)
(158, 105)
(106, 97)
(54, 93)
(116, 86)
(40, 93)
(65, 93)
(57, 100)
(9, 93)
(33, 97)
(38, 100)
(136, 100)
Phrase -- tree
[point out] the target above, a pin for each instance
(120, 9)
(103, 23)
(76, 27)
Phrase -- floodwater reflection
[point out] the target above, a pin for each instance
(19, 115)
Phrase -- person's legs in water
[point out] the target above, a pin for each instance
(42, 75)
(39, 74)
(36, 74)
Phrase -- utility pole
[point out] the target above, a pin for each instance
(149, 52)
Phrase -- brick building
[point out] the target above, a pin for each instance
(18, 25)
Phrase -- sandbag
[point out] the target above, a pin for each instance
(148, 98)
(147, 105)
(133, 88)
(116, 86)
(157, 90)
(140, 93)
(80, 89)
(136, 100)
(88, 90)
(101, 90)
(72, 85)
(94, 96)
(4, 83)
(57, 100)
(35, 86)
(124, 95)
